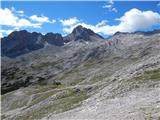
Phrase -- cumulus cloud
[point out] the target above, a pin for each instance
(26, 23)
(16, 19)
(41, 19)
(8, 18)
(110, 6)
(135, 19)
(131, 21)
(102, 23)
(70, 21)
(100, 27)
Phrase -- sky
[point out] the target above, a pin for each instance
(103, 17)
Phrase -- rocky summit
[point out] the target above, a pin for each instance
(22, 42)
(81, 76)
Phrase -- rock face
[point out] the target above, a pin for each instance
(82, 34)
(54, 39)
(87, 78)
(22, 42)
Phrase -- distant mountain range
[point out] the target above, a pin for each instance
(22, 42)
(80, 76)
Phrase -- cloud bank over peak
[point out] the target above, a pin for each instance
(70, 21)
(132, 20)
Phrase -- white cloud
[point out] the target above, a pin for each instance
(12, 8)
(19, 13)
(70, 21)
(40, 19)
(98, 28)
(107, 6)
(26, 23)
(135, 19)
(114, 10)
(53, 21)
(7, 18)
(16, 28)
(8, 31)
(16, 19)
(5, 32)
(1, 35)
(102, 23)
(111, 2)
(131, 21)
(110, 6)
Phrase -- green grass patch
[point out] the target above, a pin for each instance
(65, 102)
(18, 103)
(95, 79)
(44, 64)
(42, 96)
(149, 75)
(13, 73)
(13, 102)
(42, 88)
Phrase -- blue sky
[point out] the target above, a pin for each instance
(105, 18)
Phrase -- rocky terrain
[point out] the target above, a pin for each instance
(82, 76)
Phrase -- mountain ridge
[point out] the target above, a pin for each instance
(114, 78)
(22, 42)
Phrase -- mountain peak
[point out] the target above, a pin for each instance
(22, 42)
(81, 33)
(79, 27)
(82, 30)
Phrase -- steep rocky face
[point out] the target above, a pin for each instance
(22, 42)
(54, 39)
(82, 34)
